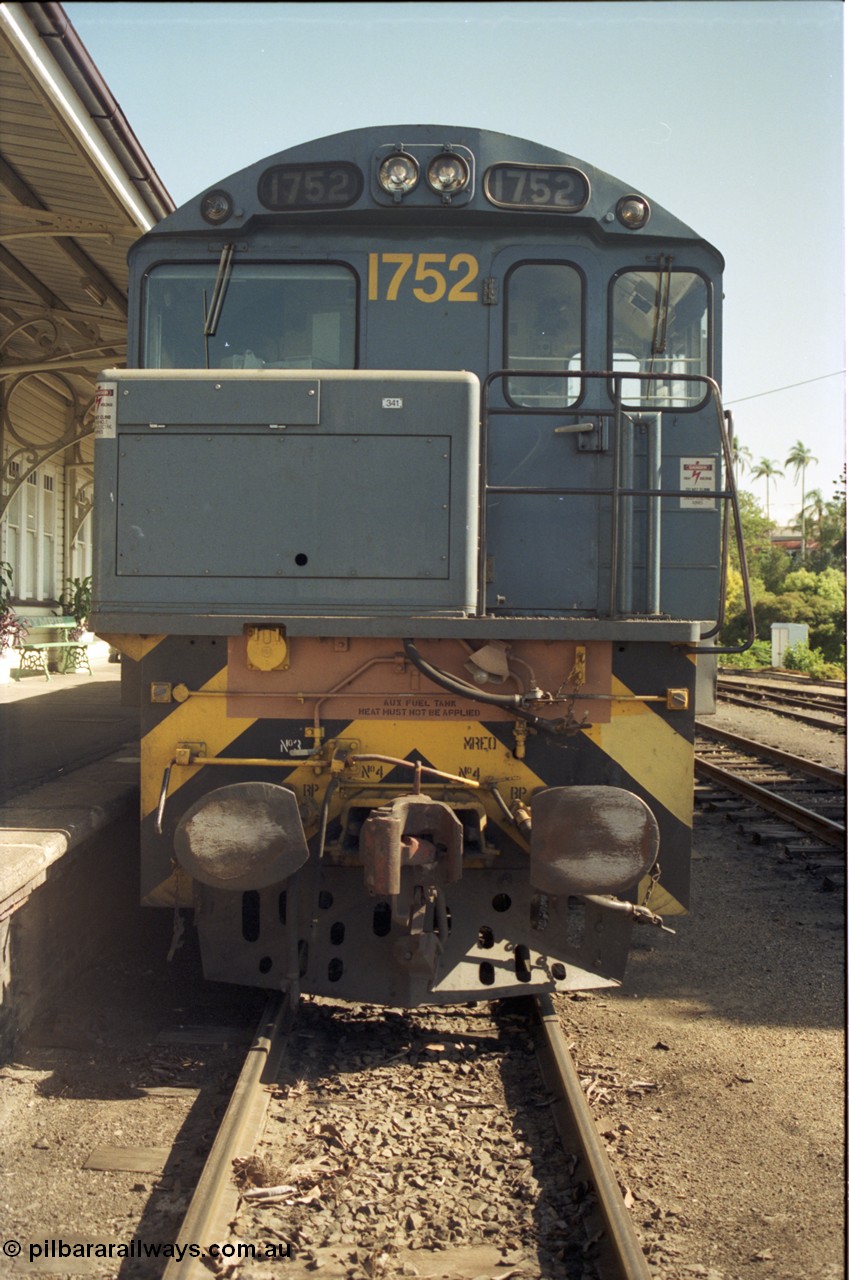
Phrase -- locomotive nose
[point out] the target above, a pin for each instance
(244, 836)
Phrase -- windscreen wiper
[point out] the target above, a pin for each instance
(213, 313)
(661, 306)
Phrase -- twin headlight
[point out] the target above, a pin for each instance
(446, 174)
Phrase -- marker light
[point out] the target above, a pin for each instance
(447, 173)
(216, 206)
(633, 212)
(398, 174)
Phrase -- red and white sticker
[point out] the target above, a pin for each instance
(106, 411)
(698, 476)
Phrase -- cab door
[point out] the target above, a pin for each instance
(547, 447)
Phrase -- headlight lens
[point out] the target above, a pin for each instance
(633, 212)
(216, 206)
(447, 173)
(399, 174)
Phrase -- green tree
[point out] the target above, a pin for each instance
(800, 458)
(768, 566)
(812, 512)
(741, 458)
(766, 561)
(830, 549)
(814, 593)
(755, 527)
(767, 469)
(819, 599)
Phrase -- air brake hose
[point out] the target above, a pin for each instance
(511, 702)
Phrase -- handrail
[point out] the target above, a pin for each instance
(622, 490)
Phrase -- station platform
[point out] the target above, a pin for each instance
(50, 728)
(68, 815)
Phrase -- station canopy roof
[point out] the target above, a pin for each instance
(76, 189)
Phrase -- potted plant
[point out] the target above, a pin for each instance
(75, 602)
(12, 628)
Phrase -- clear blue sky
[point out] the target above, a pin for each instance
(728, 112)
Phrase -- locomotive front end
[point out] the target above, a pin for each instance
(411, 526)
(347, 809)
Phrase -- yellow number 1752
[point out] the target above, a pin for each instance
(430, 280)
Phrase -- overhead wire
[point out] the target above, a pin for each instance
(790, 387)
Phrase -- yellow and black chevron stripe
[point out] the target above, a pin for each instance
(644, 748)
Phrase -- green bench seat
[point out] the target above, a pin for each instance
(72, 655)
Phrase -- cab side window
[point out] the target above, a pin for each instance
(659, 326)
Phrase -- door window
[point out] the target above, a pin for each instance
(544, 333)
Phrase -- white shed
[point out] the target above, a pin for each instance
(784, 634)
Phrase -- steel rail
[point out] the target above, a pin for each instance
(813, 700)
(626, 1255)
(835, 776)
(742, 699)
(760, 697)
(799, 678)
(805, 819)
(215, 1195)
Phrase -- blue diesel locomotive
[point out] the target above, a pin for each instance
(411, 514)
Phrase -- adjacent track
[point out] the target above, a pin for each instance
(763, 775)
(783, 676)
(805, 706)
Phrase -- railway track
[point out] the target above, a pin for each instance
(365, 1166)
(805, 799)
(782, 676)
(623, 1253)
(215, 1196)
(820, 708)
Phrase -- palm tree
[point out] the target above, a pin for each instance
(767, 469)
(814, 507)
(812, 514)
(741, 457)
(800, 458)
